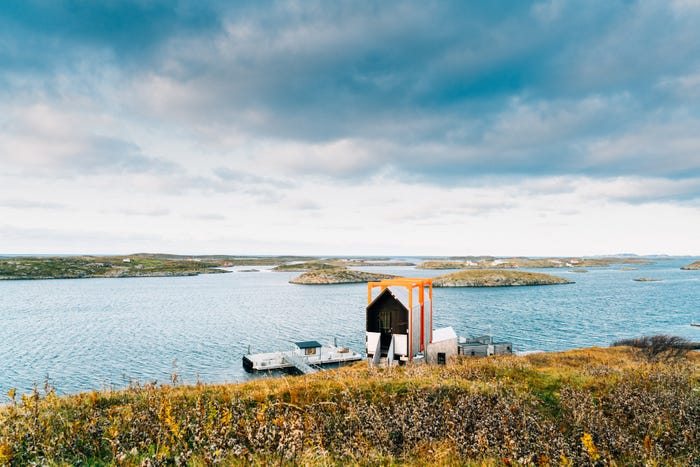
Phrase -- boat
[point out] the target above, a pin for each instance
(307, 357)
(695, 324)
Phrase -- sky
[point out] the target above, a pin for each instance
(532, 128)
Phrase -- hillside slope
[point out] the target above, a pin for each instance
(583, 407)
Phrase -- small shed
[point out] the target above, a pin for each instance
(309, 347)
(443, 346)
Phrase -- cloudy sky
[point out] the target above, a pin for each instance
(407, 128)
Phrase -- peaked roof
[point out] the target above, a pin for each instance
(399, 293)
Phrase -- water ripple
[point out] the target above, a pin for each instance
(101, 333)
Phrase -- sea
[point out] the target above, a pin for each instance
(77, 335)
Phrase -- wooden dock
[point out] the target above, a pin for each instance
(307, 358)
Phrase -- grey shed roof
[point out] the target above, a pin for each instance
(307, 344)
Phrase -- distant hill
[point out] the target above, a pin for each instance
(514, 263)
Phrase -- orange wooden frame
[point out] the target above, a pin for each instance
(410, 284)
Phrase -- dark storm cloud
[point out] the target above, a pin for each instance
(456, 90)
(40, 34)
(438, 91)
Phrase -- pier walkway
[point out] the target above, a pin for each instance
(299, 363)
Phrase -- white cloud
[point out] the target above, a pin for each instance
(351, 128)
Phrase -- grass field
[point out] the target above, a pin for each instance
(583, 407)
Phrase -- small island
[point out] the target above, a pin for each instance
(496, 278)
(338, 276)
(646, 279)
(306, 266)
(692, 266)
(79, 267)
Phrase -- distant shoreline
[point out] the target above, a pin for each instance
(43, 267)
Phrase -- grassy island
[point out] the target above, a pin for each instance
(338, 276)
(496, 278)
(76, 267)
(692, 266)
(305, 266)
(582, 407)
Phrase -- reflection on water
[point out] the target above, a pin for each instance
(95, 333)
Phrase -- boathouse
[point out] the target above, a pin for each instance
(400, 324)
(399, 319)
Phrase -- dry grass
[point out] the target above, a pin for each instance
(584, 407)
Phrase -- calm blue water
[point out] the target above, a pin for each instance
(98, 333)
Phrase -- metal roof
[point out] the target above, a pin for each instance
(307, 344)
(443, 334)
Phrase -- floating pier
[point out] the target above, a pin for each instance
(308, 357)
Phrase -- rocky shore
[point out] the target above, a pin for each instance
(496, 278)
(338, 276)
(82, 267)
(692, 266)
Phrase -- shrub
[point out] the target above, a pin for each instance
(660, 347)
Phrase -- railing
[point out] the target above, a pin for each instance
(299, 363)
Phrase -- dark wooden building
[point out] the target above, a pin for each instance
(399, 319)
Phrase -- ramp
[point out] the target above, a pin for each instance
(299, 364)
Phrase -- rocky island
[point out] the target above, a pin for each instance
(338, 276)
(306, 266)
(692, 266)
(646, 279)
(78, 267)
(496, 278)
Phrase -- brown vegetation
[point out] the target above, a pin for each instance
(585, 407)
(660, 347)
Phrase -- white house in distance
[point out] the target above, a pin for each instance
(400, 324)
